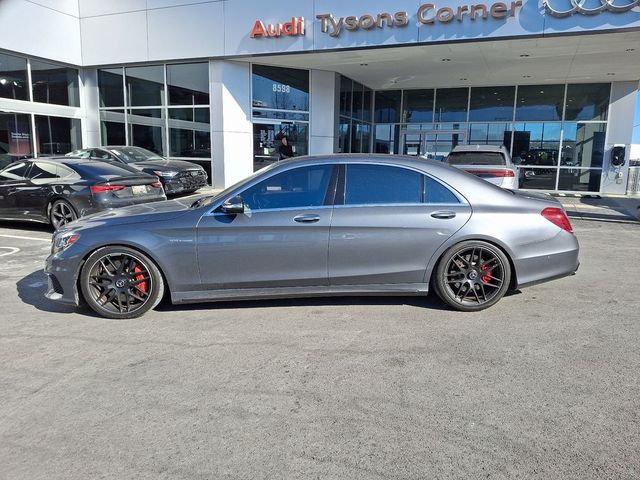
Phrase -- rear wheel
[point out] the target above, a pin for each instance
(472, 276)
(121, 283)
(60, 213)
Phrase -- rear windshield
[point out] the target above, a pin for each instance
(103, 170)
(475, 158)
(135, 154)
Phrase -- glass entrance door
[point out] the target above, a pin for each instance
(431, 144)
(267, 139)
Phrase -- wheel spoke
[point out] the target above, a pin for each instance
(136, 296)
(484, 293)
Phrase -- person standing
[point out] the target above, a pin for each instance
(285, 150)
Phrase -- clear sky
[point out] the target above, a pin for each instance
(636, 123)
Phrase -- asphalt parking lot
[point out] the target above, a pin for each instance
(543, 385)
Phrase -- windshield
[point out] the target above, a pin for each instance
(135, 154)
(476, 158)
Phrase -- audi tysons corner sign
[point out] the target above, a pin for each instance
(430, 14)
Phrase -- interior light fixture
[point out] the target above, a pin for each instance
(446, 59)
(526, 76)
(524, 55)
(364, 64)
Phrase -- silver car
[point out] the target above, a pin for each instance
(490, 162)
(317, 226)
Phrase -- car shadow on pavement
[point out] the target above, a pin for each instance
(31, 290)
(27, 226)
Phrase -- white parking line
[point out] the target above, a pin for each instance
(48, 240)
(11, 251)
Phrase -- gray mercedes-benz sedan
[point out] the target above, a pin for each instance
(318, 226)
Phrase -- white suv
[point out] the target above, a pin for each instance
(490, 162)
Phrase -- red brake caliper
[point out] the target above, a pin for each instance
(487, 273)
(141, 286)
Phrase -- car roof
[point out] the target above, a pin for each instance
(479, 148)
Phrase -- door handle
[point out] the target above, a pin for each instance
(443, 215)
(307, 218)
(12, 189)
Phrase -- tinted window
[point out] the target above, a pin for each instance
(540, 102)
(57, 135)
(145, 85)
(475, 158)
(135, 154)
(280, 88)
(587, 102)
(418, 106)
(435, 192)
(41, 172)
(492, 104)
(15, 172)
(452, 104)
(13, 70)
(66, 173)
(111, 87)
(300, 187)
(379, 184)
(188, 84)
(54, 84)
(101, 155)
(387, 106)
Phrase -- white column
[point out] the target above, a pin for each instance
(90, 102)
(323, 128)
(230, 87)
(619, 132)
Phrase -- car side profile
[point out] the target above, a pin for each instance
(489, 162)
(318, 226)
(60, 190)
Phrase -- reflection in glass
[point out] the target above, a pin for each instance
(15, 137)
(344, 135)
(346, 89)
(145, 86)
(280, 88)
(267, 141)
(580, 179)
(147, 136)
(13, 77)
(490, 134)
(536, 143)
(540, 102)
(54, 84)
(583, 144)
(189, 132)
(188, 84)
(358, 102)
(418, 106)
(110, 87)
(386, 139)
(366, 109)
(57, 135)
(112, 127)
(587, 101)
(492, 104)
(381, 185)
(537, 178)
(387, 106)
(451, 104)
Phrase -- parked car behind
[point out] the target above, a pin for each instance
(490, 162)
(177, 176)
(59, 190)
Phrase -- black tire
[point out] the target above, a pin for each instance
(121, 283)
(472, 276)
(61, 212)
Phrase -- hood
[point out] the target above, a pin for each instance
(167, 165)
(142, 213)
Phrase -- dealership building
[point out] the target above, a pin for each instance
(221, 82)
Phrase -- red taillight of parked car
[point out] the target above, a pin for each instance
(493, 173)
(558, 217)
(156, 184)
(106, 188)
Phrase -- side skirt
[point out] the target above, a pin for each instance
(401, 289)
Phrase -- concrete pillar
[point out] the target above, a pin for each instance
(90, 103)
(619, 132)
(230, 87)
(323, 128)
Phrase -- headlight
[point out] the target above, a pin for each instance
(165, 174)
(62, 241)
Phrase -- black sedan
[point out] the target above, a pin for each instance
(177, 176)
(59, 190)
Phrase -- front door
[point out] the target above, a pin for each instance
(390, 222)
(280, 241)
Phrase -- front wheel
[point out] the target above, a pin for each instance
(120, 283)
(472, 276)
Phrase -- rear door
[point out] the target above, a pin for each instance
(389, 223)
(32, 197)
(12, 180)
(282, 238)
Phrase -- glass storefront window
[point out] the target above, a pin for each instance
(267, 139)
(189, 132)
(188, 84)
(57, 135)
(451, 104)
(110, 87)
(418, 106)
(583, 145)
(112, 127)
(580, 179)
(366, 108)
(346, 90)
(588, 102)
(490, 134)
(536, 143)
(344, 135)
(387, 106)
(145, 86)
(537, 178)
(358, 102)
(147, 129)
(15, 137)
(540, 103)
(492, 104)
(280, 88)
(54, 84)
(386, 139)
(13, 77)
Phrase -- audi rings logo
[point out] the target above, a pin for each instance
(581, 7)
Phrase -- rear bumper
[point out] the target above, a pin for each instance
(544, 268)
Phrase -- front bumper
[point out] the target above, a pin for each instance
(184, 182)
(62, 273)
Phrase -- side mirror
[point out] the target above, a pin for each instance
(233, 205)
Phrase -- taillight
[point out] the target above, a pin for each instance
(558, 217)
(493, 173)
(156, 184)
(106, 188)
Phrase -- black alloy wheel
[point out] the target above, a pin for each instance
(121, 283)
(60, 213)
(472, 276)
